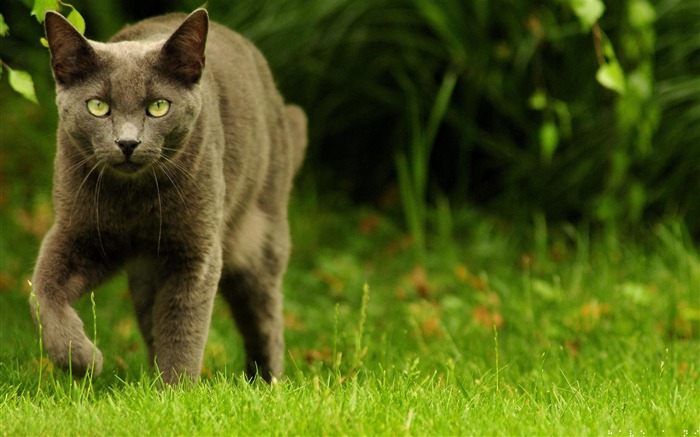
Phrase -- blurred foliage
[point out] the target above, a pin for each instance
(580, 110)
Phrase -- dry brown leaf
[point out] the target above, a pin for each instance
(35, 222)
(462, 272)
(121, 362)
(419, 280)
(527, 260)
(573, 346)
(335, 284)
(206, 372)
(44, 363)
(370, 224)
(312, 355)
(400, 293)
(591, 313)
(486, 317)
(430, 327)
(681, 328)
(293, 322)
(125, 328)
(7, 282)
(594, 310)
(477, 283)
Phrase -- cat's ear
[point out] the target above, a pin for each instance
(182, 56)
(72, 56)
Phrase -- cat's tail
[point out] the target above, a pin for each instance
(296, 120)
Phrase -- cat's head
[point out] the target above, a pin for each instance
(128, 105)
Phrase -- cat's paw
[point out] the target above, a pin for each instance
(80, 358)
(66, 343)
(87, 361)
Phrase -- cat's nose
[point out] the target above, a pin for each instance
(127, 146)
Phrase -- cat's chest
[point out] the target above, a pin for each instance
(147, 229)
(139, 217)
(141, 211)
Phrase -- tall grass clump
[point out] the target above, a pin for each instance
(528, 124)
(520, 108)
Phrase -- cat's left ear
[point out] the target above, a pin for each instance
(182, 56)
(72, 57)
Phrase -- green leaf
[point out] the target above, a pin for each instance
(563, 118)
(637, 201)
(41, 6)
(4, 30)
(76, 20)
(538, 100)
(641, 14)
(608, 49)
(21, 82)
(612, 77)
(608, 208)
(549, 140)
(588, 11)
(545, 290)
(636, 293)
(640, 82)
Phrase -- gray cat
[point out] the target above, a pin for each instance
(179, 174)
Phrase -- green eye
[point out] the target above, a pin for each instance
(98, 108)
(158, 108)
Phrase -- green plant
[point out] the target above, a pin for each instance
(21, 81)
(535, 120)
(413, 168)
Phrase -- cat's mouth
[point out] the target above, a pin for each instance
(129, 167)
(119, 162)
(126, 165)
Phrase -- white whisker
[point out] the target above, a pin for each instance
(167, 174)
(183, 170)
(97, 207)
(178, 151)
(77, 193)
(73, 168)
(160, 212)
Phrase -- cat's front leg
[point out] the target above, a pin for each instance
(143, 285)
(181, 317)
(65, 270)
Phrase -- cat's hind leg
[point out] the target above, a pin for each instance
(256, 303)
(254, 261)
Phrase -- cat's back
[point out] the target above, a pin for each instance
(150, 29)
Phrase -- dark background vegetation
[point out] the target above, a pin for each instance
(368, 73)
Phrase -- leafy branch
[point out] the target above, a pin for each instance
(20, 80)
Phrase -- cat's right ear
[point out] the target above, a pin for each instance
(72, 56)
(182, 55)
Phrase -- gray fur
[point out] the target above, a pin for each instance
(200, 203)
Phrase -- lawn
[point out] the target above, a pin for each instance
(498, 329)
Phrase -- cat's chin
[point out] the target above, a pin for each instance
(127, 167)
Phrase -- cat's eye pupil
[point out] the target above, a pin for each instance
(158, 108)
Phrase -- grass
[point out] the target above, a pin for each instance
(503, 330)
(470, 325)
